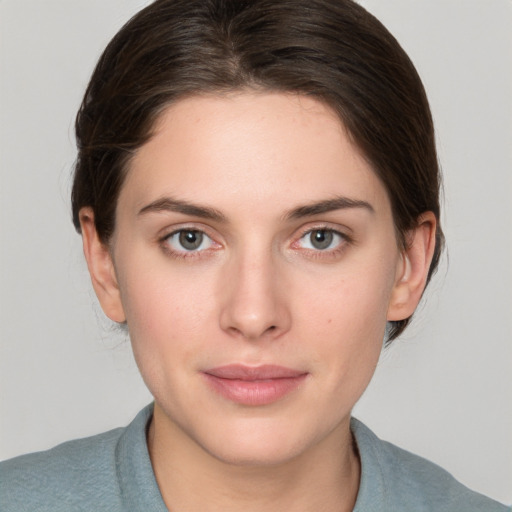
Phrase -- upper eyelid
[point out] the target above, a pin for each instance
(164, 242)
(164, 238)
(332, 230)
(165, 233)
(342, 235)
(346, 239)
(344, 232)
(172, 230)
(179, 230)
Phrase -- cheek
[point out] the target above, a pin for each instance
(166, 315)
(346, 318)
(351, 303)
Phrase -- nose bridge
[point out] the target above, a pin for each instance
(254, 305)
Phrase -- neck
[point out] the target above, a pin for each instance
(323, 478)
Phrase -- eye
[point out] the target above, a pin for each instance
(188, 240)
(321, 239)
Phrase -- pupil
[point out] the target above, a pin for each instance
(191, 240)
(321, 239)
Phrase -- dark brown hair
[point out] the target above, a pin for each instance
(332, 50)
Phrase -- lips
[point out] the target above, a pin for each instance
(254, 385)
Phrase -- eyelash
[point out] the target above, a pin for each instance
(183, 253)
(340, 247)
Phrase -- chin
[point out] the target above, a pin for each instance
(255, 455)
(259, 442)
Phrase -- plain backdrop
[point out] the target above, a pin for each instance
(444, 390)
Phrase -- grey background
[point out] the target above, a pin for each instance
(443, 391)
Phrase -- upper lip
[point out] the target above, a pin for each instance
(253, 373)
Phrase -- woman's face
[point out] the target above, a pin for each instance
(256, 260)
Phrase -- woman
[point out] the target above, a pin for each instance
(257, 192)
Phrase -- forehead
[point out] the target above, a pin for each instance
(250, 147)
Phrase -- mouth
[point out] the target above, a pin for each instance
(254, 385)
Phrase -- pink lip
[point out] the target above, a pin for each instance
(253, 385)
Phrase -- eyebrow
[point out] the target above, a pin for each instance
(328, 205)
(168, 204)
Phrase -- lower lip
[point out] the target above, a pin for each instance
(254, 392)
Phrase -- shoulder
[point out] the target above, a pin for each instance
(395, 479)
(60, 478)
(110, 471)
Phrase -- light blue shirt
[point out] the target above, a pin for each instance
(112, 472)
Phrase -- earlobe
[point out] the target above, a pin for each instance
(101, 268)
(412, 269)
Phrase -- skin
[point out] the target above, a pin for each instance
(257, 291)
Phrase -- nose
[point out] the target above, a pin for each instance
(254, 305)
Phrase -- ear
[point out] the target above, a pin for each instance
(101, 268)
(413, 267)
